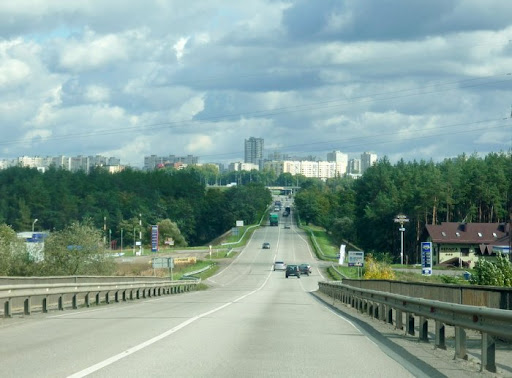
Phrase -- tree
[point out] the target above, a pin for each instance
(14, 257)
(75, 250)
(497, 273)
(169, 230)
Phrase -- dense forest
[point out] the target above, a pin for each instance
(131, 201)
(361, 211)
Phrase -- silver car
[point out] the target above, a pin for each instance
(279, 265)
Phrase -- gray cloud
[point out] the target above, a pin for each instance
(406, 79)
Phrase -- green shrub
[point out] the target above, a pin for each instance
(497, 273)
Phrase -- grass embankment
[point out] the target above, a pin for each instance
(327, 250)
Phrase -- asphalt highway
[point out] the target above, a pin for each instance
(251, 322)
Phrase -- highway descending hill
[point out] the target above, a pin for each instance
(251, 322)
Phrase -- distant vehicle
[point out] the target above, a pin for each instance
(287, 226)
(292, 270)
(305, 269)
(285, 214)
(274, 219)
(288, 209)
(279, 265)
(266, 245)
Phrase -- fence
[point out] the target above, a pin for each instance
(391, 308)
(22, 297)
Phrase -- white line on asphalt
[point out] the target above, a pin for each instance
(126, 353)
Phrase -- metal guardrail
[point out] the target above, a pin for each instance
(492, 323)
(59, 295)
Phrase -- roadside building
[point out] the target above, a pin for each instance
(462, 244)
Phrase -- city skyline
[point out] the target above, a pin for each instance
(424, 80)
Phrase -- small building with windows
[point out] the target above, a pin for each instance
(462, 244)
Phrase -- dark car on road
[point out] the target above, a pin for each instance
(266, 245)
(305, 269)
(292, 270)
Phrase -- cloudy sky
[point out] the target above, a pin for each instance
(424, 79)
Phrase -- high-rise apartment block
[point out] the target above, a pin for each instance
(254, 151)
(367, 160)
(341, 161)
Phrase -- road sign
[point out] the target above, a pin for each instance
(163, 262)
(400, 218)
(355, 258)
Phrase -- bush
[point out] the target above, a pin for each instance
(375, 270)
(497, 273)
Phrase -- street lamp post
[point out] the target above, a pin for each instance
(400, 218)
(33, 224)
(121, 240)
(140, 233)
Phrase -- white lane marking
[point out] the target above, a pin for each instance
(126, 353)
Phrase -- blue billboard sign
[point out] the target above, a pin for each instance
(426, 258)
(154, 238)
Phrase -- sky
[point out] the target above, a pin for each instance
(413, 80)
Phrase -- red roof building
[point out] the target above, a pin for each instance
(461, 244)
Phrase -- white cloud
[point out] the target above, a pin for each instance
(172, 78)
(97, 93)
(199, 143)
(94, 52)
(179, 47)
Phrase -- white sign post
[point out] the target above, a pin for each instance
(400, 218)
(342, 254)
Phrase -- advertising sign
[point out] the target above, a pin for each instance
(355, 258)
(154, 238)
(426, 258)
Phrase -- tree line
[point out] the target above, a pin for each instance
(361, 211)
(127, 203)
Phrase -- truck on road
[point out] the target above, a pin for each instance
(274, 219)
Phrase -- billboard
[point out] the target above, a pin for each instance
(154, 238)
(355, 258)
(426, 258)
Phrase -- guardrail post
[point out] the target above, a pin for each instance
(488, 352)
(423, 329)
(7, 308)
(440, 335)
(26, 306)
(410, 323)
(87, 300)
(460, 343)
(107, 297)
(124, 295)
(74, 303)
(399, 320)
(389, 312)
(44, 305)
(60, 303)
(116, 296)
(97, 299)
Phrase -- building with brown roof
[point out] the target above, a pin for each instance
(462, 244)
